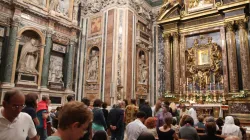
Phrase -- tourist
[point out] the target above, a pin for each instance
(131, 111)
(74, 120)
(200, 124)
(99, 122)
(188, 131)
(14, 124)
(211, 119)
(105, 111)
(146, 136)
(115, 121)
(230, 129)
(126, 102)
(182, 121)
(210, 132)
(192, 113)
(88, 132)
(145, 107)
(219, 123)
(174, 113)
(243, 132)
(70, 98)
(183, 110)
(135, 128)
(157, 108)
(174, 126)
(150, 123)
(232, 138)
(42, 115)
(165, 131)
(30, 106)
(100, 135)
(162, 115)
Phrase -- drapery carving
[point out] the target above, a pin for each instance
(231, 44)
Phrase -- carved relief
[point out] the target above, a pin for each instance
(60, 6)
(240, 108)
(196, 5)
(60, 39)
(93, 65)
(55, 69)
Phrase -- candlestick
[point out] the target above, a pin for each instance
(210, 87)
(213, 79)
(187, 81)
(206, 80)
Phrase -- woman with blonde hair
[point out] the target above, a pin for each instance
(174, 112)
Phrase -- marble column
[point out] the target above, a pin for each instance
(244, 54)
(232, 57)
(46, 59)
(167, 50)
(176, 62)
(10, 52)
(69, 69)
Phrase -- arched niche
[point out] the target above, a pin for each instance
(29, 36)
(142, 67)
(93, 64)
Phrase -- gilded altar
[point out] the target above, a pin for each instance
(206, 52)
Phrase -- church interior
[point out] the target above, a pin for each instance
(177, 50)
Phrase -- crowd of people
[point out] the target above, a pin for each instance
(24, 118)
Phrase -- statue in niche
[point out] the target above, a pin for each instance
(93, 65)
(55, 70)
(143, 70)
(29, 57)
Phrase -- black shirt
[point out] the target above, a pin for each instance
(165, 135)
(31, 111)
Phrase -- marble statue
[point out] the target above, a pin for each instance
(142, 70)
(93, 65)
(59, 6)
(29, 57)
(55, 70)
(96, 6)
(54, 5)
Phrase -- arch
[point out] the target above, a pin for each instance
(32, 29)
(40, 63)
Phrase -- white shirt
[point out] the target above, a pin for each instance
(134, 129)
(193, 114)
(21, 128)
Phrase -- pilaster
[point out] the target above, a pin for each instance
(167, 50)
(176, 62)
(244, 54)
(46, 58)
(232, 57)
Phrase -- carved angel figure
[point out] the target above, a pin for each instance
(29, 57)
(93, 65)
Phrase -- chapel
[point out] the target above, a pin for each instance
(176, 50)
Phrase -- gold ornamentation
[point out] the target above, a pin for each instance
(229, 26)
(203, 59)
(241, 23)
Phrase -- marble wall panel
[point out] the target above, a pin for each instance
(109, 54)
(129, 55)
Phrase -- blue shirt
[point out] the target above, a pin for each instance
(40, 118)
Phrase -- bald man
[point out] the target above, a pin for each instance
(14, 124)
(232, 138)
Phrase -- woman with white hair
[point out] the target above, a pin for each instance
(230, 129)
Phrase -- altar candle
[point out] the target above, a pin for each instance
(218, 86)
(210, 87)
(187, 81)
(213, 79)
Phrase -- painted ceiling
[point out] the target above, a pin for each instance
(154, 2)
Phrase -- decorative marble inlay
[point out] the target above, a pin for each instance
(59, 48)
(55, 69)
(241, 108)
(161, 63)
(119, 68)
